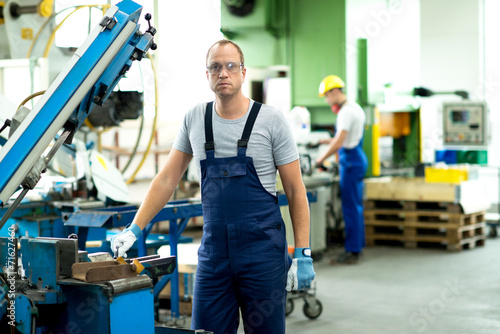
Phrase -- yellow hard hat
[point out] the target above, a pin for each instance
(330, 82)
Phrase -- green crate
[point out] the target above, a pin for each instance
(472, 157)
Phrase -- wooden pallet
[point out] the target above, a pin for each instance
(392, 241)
(448, 207)
(423, 224)
(464, 194)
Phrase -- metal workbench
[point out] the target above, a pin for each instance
(177, 213)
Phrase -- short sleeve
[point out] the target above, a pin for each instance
(284, 146)
(182, 142)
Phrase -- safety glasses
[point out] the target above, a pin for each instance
(231, 67)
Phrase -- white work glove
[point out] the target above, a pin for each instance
(301, 272)
(125, 239)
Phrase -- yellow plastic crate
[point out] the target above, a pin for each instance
(446, 174)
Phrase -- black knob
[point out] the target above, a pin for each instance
(151, 29)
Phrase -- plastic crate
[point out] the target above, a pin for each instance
(446, 174)
(472, 157)
(446, 156)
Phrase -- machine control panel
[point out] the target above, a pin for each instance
(465, 123)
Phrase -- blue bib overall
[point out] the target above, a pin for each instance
(242, 260)
(353, 164)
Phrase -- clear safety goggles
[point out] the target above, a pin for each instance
(231, 67)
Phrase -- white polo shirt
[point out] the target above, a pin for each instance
(351, 118)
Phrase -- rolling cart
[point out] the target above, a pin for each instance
(312, 307)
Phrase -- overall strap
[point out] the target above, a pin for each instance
(243, 142)
(209, 133)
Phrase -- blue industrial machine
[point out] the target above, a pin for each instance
(87, 80)
(38, 289)
(48, 299)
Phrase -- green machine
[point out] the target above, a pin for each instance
(310, 40)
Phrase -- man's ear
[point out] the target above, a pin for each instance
(243, 73)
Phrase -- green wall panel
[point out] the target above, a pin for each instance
(262, 35)
(322, 115)
(317, 36)
(306, 35)
(256, 19)
(261, 49)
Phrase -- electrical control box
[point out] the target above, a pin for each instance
(465, 123)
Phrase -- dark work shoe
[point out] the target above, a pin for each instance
(347, 258)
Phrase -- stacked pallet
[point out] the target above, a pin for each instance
(415, 224)
(413, 214)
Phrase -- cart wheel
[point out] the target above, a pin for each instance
(289, 306)
(313, 311)
(317, 256)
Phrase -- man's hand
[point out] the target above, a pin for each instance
(124, 240)
(301, 272)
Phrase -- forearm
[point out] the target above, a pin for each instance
(299, 213)
(162, 187)
(295, 192)
(333, 147)
(157, 197)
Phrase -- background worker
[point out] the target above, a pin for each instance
(348, 142)
(242, 261)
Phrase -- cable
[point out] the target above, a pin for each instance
(53, 34)
(153, 130)
(38, 34)
(31, 97)
(35, 39)
(136, 146)
(139, 135)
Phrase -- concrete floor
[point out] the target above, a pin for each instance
(405, 291)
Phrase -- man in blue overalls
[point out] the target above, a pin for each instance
(238, 145)
(348, 141)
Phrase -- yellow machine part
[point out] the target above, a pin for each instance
(395, 124)
(375, 146)
(2, 5)
(27, 33)
(45, 8)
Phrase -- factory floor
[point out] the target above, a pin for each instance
(400, 291)
(405, 291)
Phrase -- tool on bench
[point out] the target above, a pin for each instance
(103, 267)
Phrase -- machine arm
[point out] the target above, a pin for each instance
(86, 80)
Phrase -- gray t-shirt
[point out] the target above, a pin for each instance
(271, 142)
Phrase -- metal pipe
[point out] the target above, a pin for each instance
(129, 284)
(16, 10)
